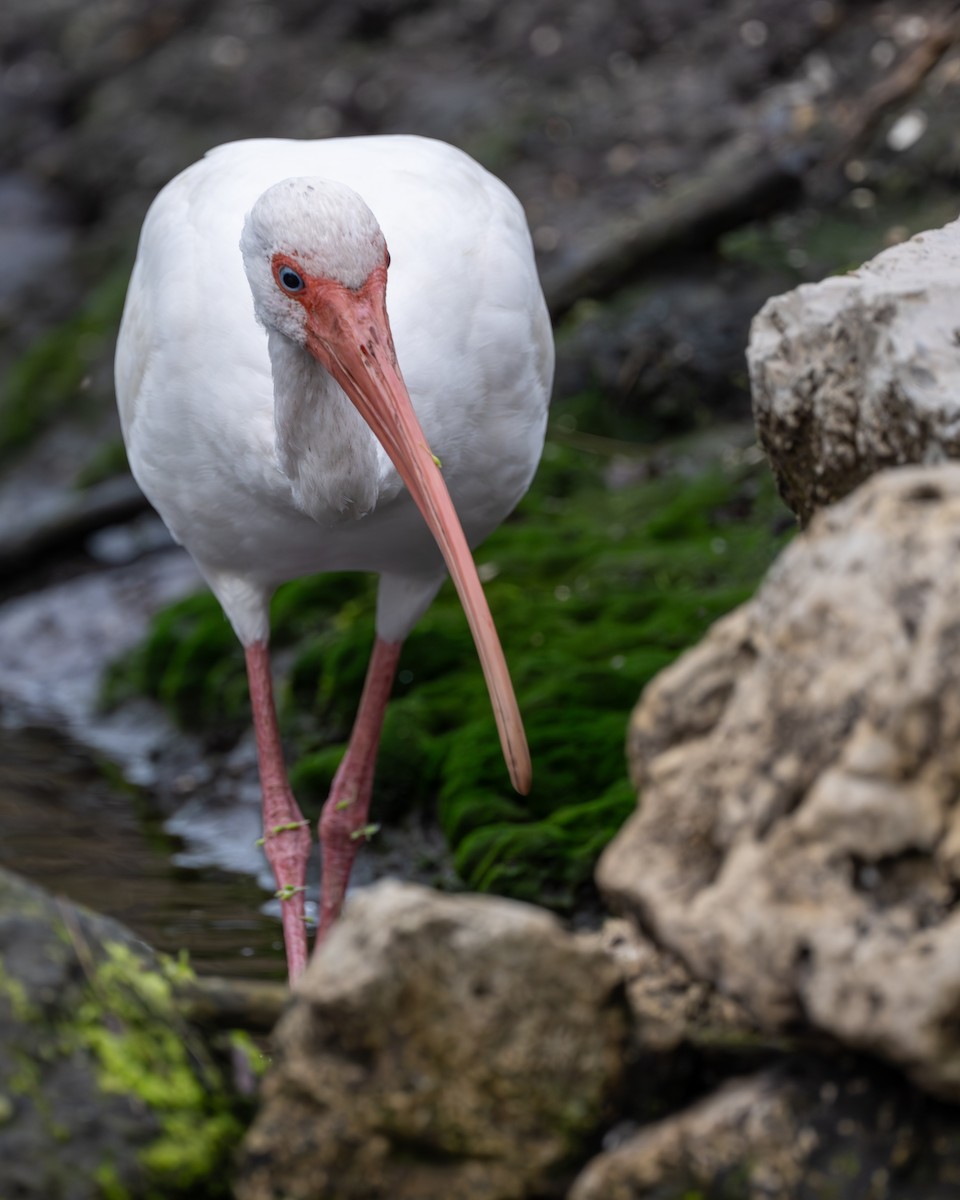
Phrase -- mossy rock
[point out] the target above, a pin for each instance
(105, 1091)
(594, 590)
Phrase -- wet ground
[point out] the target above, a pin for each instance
(68, 827)
(79, 787)
(91, 801)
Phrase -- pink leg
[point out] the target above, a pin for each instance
(287, 839)
(344, 817)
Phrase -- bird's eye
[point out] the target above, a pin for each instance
(290, 281)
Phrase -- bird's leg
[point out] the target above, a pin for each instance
(286, 835)
(343, 822)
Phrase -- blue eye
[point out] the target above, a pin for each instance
(289, 279)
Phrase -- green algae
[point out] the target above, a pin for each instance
(128, 1022)
(594, 588)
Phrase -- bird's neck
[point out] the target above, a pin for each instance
(324, 446)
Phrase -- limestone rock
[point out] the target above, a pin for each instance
(860, 371)
(104, 1089)
(438, 1046)
(745, 1120)
(812, 1129)
(668, 1006)
(797, 841)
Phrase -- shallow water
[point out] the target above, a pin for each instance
(64, 825)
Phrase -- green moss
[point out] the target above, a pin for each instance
(113, 1024)
(51, 375)
(545, 861)
(306, 606)
(128, 1023)
(188, 1153)
(594, 590)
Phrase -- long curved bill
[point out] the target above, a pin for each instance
(355, 344)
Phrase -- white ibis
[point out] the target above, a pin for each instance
(282, 424)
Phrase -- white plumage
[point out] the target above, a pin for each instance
(239, 431)
(195, 387)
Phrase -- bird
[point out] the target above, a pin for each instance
(335, 355)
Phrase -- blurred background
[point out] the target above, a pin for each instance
(679, 162)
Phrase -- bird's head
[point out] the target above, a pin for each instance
(308, 245)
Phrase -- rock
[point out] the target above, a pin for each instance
(685, 1037)
(798, 842)
(104, 1089)
(439, 1046)
(668, 1006)
(746, 1121)
(860, 372)
(814, 1129)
